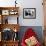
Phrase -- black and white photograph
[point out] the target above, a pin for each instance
(29, 13)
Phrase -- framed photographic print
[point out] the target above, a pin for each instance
(5, 12)
(13, 12)
(29, 13)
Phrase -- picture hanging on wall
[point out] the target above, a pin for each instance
(29, 13)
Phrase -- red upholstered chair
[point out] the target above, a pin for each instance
(29, 33)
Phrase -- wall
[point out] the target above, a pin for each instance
(39, 13)
(27, 4)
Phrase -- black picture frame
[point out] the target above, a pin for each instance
(29, 13)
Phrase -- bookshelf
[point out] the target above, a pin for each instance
(9, 21)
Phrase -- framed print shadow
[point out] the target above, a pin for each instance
(29, 13)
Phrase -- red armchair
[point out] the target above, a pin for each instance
(30, 34)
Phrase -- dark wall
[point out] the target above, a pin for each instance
(37, 29)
